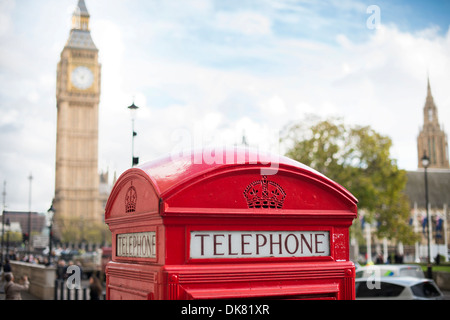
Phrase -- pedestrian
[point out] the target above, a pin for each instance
(95, 288)
(6, 267)
(13, 290)
(379, 259)
(61, 270)
(438, 259)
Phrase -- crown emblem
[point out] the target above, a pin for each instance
(130, 199)
(264, 194)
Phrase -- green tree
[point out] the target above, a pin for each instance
(359, 159)
(79, 229)
(12, 236)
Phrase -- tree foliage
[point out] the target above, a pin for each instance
(359, 159)
(78, 230)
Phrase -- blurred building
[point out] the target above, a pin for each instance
(29, 222)
(432, 141)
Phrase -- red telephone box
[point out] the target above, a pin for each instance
(230, 224)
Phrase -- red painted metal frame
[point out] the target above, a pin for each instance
(177, 196)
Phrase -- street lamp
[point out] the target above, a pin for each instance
(133, 109)
(50, 214)
(8, 224)
(3, 235)
(425, 164)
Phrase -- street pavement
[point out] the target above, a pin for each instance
(25, 296)
(28, 296)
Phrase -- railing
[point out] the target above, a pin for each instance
(63, 292)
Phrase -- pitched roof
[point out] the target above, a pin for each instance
(83, 9)
(438, 187)
(37, 220)
(80, 39)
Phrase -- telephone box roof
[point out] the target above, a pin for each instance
(171, 171)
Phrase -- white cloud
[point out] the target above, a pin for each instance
(274, 106)
(6, 7)
(209, 87)
(385, 83)
(248, 23)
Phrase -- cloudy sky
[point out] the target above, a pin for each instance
(204, 72)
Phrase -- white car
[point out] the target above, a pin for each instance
(396, 288)
(390, 270)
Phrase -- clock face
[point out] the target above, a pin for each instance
(82, 77)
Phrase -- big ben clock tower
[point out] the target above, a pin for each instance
(77, 203)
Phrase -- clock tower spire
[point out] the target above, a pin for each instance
(432, 140)
(77, 203)
(80, 35)
(80, 18)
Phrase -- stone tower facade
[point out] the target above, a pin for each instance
(432, 140)
(77, 200)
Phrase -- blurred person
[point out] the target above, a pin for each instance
(61, 270)
(12, 255)
(13, 290)
(95, 288)
(6, 267)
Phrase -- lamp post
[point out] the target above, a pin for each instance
(29, 218)
(50, 214)
(133, 109)
(3, 236)
(8, 224)
(3, 220)
(425, 164)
